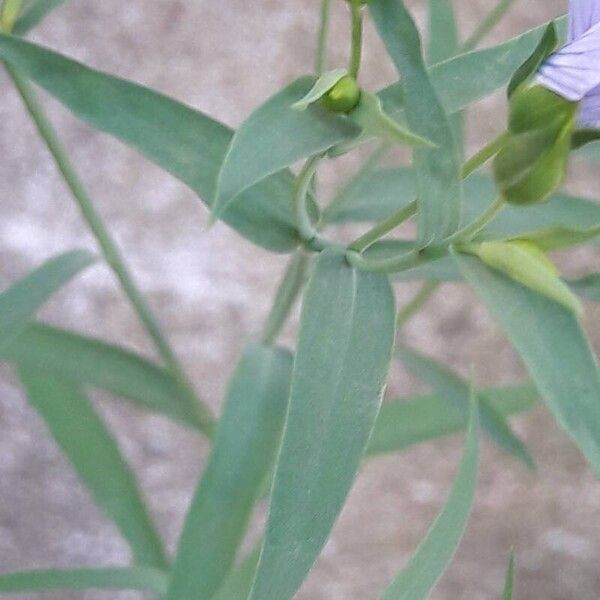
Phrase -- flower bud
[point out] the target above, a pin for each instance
(343, 96)
(533, 161)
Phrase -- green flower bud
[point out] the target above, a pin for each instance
(343, 96)
(533, 161)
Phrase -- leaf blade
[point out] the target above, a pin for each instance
(185, 142)
(439, 184)
(334, 400)
(248, 434)
(551, 342)
(25, 297)
(94, 454)
(435, 552)
(35, 14)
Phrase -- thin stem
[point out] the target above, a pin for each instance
(416, 304)
(488, 23)
(286, 295)
(304, 223)
(107, 245)
(321, 59)
(383, 228)
(470, 231)
(357, 35)
(486, 153)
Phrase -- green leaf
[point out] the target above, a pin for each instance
(510, 578)
(183, 141)
(528, 265)
(582, 137)
(588, 287)
(244, 448)
(369, 115)
(439, 184)
(94, 454)
(344, 350)
(559, 237)
(470, 77)
(545, 47)
(136, 578)
(553, 347)
(34, 14)
(404, 423)
(23, 299)
(443, 33)
(321, 86)
(238, 583)
(95, 363)
(456, 391)
(435, 552)
(275, 136)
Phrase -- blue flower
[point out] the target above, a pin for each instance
(574, 71)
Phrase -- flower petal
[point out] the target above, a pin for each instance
(583, 14)
(574, 71)
(589, 111)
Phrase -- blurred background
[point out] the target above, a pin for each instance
(212, 290)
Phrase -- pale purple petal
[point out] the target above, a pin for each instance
(583, 14)
(589, 110)
(574, 71)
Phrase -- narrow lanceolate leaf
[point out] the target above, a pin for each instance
(137, 578)
(435, 552)
(439, 184)
(344, 349)
(443, 33)
(467, 78)
(276, 136)
(559, 237)
(248, 435)
(34, 14)
(403, 423)
(92, 362)
(587, 287)
(95, 456)
(553, 347)
(239, 581)
(22, 300)
(510, 578)
(183, 141)
(456, 391)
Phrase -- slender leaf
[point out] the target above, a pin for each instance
(456, 391)
(186, 143)
(435, 552)
(404, 423)
(248, 435)
(95, 456)
(587, 287)
(136, 578)
(559, 237)
(275, 136)
(34, 14)
(321, 86)
(470, 77)
(439, 184)
(92, 362)
(238, 583)
(510, 578)
(554, 349)
(23, 299)
(443, 33)
(344, 349)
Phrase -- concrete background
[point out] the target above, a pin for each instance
(212, 291)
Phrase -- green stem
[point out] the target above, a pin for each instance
(470, 231)
(286, 295)
(106, 243)
(321, 60)
(488, 23)
(383, 228)
(486, 153)
(415, 305)
(357, 35)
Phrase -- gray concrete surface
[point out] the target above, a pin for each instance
(212, 289)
